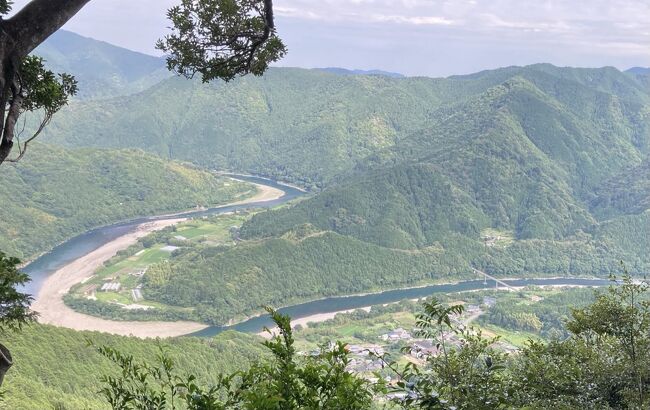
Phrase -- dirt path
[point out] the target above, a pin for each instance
(49, 301)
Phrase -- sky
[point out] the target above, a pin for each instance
(416, 37)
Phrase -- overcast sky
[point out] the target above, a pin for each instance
(417, 37)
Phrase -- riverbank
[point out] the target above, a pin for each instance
(322, 317)
(49, 300)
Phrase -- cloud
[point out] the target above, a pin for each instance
(429, 37)
(415, 20)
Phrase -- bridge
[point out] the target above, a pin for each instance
(497, 281)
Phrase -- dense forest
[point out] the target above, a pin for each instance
(57, 193)
(56, 369)
(520, 171)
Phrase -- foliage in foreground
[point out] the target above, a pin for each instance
(55, 369)
(603, 364)
(14, 306)
(285, 382)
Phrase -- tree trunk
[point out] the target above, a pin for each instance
(5, 362)
(19, 36)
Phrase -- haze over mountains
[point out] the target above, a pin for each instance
(424, 171)
(102, 69)
(520, 171)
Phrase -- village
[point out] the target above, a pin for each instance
(369, 359)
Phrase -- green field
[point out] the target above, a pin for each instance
(547, 306)
(129, 267)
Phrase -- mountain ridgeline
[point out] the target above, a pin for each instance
(536, 170)
(103, 70)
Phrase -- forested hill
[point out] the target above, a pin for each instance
(55, 193)
(311, 127)
(102, 69)
(546, 154)
(519, 171)
(56, 369)
(543, 173)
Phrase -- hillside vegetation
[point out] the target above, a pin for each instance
(55, 193)
(417, 175)
(303, 125)
(56, 369)
(103, 70)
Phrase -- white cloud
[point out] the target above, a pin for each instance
(415, 20)
(433, 37)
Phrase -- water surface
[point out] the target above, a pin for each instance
(89, 241)
(336, 304)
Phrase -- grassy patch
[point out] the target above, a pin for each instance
(497, 238)
(514, 337)
(128, 270)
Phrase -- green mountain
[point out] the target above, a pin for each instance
(522, 156)
(533, 159)
(55, 193)
(56, 369)
(532, 170)
(311, 127)
(102, 69)
(345, 71)
(300, 125)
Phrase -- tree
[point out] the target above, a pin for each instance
(465, 371)
(219, 39)
(14, 305)
(619, 322)
(286, 382)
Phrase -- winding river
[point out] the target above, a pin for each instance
(89, 241)
(85, 243)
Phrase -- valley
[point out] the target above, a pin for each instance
(49, 299)
(163, 214)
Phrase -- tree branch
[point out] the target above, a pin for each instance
(38, 20)
(22, 149)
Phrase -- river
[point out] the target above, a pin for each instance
(89, 241)
(85, 243)
(337, 304)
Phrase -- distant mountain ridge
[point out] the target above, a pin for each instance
(639, 70)
(345, 71)
(305, 126)
(102, 69)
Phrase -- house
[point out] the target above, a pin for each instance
(396, 335)
(489, 301)
(423, 348)
(180, 238)
(365, 350)
(169, 248)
